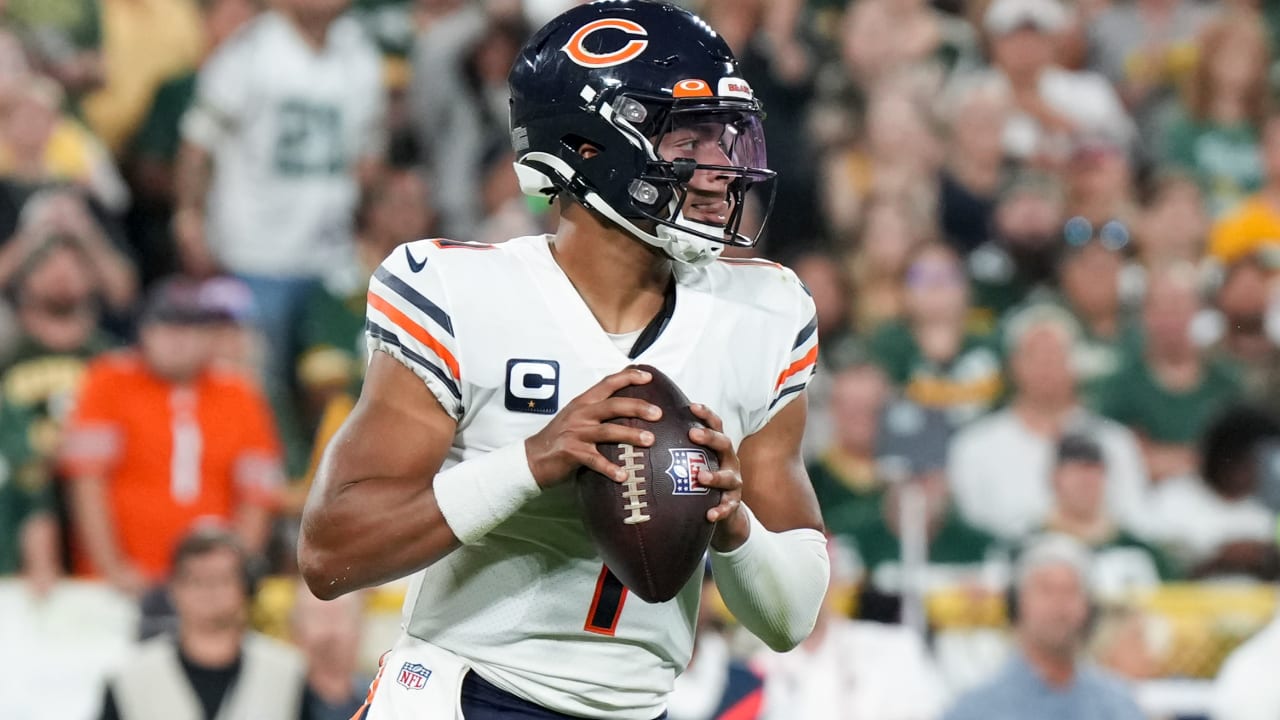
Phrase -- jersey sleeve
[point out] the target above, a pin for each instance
(258, 471)
(409, 319)
(223, 95)
(800, 361)
(93, 440)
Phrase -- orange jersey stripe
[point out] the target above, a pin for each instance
(810, 358)
(418, 332)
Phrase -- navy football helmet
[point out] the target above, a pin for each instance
(659, 96)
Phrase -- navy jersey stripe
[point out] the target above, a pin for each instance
(806, 332)
(378, 332)
(784, 393)
(402, 289)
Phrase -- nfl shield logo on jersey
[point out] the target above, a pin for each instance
(413, 676)
(684, 467)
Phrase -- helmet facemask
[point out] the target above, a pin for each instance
(679, 139)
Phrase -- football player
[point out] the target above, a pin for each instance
(490, 382)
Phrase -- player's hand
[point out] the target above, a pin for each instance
(570, 439)
(732, 526)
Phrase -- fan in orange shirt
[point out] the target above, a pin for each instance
(161, 440)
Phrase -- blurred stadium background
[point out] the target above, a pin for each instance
(1043, 238)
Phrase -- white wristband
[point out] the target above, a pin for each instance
(476, 495)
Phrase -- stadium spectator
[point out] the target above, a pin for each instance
(153, 149)
(1147, 49)
(912, 451)
(845, 478)
(159, 440)
(851, 668)
(29, 528)
(212, 666)
(1173, 224)
(1121, 562)
(1215, 136)
(1254, 224)
(39, 146)
(393, 211)
(1019, 259)
(896, 161)
(138, 59)
(717, 685)
(975, 112)
(1245, 688)
(1090, 276)
(61, 217)
(931, 355)
(271, 196)
(64, 38)
(888, 236)
(57, 299)
(1046, 677)
(1054, 105)
(328, 634)
(457, 98)
(1217, 525)
(1243, 301)
(1000, 466)
(1099, 181)
(1167, 388)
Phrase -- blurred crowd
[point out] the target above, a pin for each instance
(1043, 238)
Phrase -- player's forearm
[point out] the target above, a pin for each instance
(368, 531)
(457, 506)
(775, 583)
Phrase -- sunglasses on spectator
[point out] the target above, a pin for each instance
(1078, 232)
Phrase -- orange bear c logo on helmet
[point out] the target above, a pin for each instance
(578, 52)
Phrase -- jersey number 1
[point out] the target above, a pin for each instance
(606, 606)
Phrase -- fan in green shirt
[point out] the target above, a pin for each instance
(1168, 390)
(1217, 135)
(844, 477)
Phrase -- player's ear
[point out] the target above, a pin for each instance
(588, 151)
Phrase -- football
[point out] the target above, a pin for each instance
(652, 530)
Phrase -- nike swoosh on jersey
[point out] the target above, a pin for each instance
(414, 265)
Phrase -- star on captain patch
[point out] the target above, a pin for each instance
(532, 404)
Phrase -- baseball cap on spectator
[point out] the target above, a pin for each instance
(178, 301)
(913, 439)
(1006, 16)
(1079, 448)
(227, 299)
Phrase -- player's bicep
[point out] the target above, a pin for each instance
(397, 431)
(774, 482)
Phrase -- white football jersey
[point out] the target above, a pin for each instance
(503, 340)
(285, 124)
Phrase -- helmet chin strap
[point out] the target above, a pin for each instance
(687, 247)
